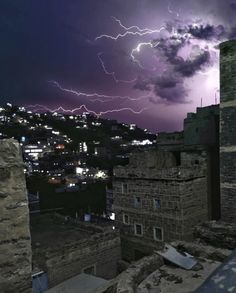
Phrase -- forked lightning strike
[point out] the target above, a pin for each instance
(132, 30)
(112, 74)
(38, 107)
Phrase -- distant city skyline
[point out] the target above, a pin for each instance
(141, 61)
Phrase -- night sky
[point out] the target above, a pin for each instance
(148, 62)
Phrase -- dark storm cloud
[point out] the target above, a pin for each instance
(232, 33)
(170, 88)
(187, 68)
(233, 6)
(171, 46)
(206, 32)
(142, 85)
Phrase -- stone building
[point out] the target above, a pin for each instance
(163, 193)
(63, 248)
(15, 242)
(157, 199)
(228, 130)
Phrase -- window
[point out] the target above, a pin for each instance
(125, 219)
(137, 202)
(124, 188)
(138, 229)
(157, 203)
(158, 233)
(90, 270)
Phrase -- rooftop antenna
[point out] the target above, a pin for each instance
(215, 99)
(201, 102)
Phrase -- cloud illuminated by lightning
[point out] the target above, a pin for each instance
(137, 50)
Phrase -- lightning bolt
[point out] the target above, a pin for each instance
(112, 74)
(99, 96)
(133, 30)
(129, 31)
(137, 50)
(38, 107)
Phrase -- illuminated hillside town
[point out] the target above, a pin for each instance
(118, 147)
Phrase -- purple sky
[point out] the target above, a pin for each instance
(147, 62)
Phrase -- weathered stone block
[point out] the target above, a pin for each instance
(15, 243)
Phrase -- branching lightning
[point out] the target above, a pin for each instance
(38, 107)
(137, 50)
(112, 74)
(132, 30)
(100, 97)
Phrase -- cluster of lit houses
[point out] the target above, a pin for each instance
(50, 154)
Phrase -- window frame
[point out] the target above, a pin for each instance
(135, 203)
(135, 230)
(123, 190)
(154, 233)
(124, 219)
(154, 203)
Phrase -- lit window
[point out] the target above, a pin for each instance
(124, 187)
(138, 229)
(157, 203)
(158, 233)
(125, 219)
(137, 202)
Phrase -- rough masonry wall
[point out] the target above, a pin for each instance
(183, 205)
(15, 243)
(228, 130)
(102, 251)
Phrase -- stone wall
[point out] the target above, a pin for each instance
(15, 243)
(202, 128)
(183, 203)
(217, 234)
(228, 130)
(135, 274)
(70, 257)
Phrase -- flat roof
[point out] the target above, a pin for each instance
(80, 283)
(49, 231)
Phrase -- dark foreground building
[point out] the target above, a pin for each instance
(228, 130)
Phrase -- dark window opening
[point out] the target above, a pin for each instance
(137, 202)
(124, 187)
(125, 219)
(158, 233)
(138, 229)
(177, 158)
(157, 203)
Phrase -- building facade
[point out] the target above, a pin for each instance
(159, 199)
(228, 130)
